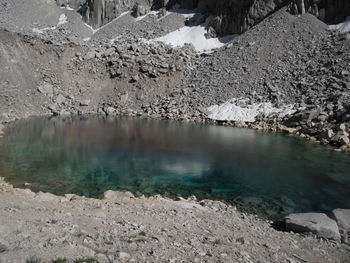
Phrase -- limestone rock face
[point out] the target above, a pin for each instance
(317, 223)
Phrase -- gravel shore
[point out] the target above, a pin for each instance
(122, 228)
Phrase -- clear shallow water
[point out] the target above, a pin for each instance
(273, 174)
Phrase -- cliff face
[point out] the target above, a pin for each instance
(229, 16)
(336, 11)
(236, 16)
(99, 12)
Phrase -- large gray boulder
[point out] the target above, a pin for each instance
(317, 223)
(342, 216)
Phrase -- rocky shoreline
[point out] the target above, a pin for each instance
(123, 228)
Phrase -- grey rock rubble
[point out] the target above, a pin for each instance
(123, 228)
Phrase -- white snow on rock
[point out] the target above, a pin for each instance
(62, 20)
(40, 31)
(342, 27)
(194, 35)
(240, 110)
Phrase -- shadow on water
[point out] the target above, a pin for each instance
(269, 174)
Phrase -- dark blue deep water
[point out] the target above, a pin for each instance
(270, 173)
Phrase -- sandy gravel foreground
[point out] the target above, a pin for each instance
(122, 228)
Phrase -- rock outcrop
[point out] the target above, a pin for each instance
(333, 11)
(100, 12)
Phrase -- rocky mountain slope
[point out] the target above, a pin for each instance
(288, 61)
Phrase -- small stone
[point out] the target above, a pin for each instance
(60, 99)
(124, 98)
(123, 255)
(90, 55)
(85, 102)
(135, 78)
(345, 73)
(342, 127)
(46, 89)
(3, 248)
(110, 111)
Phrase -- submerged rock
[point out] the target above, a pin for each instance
(317, 223)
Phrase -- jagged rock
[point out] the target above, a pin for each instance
(139, 10)
(317, 223)
(342, 217)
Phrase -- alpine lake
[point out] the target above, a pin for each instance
(265, 173)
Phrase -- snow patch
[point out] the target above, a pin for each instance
(62, 20)
(241, 110)
(67, 7)
(194, 35)
(342, 27)
(40, 31)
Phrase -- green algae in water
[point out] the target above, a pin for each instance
(89, 155)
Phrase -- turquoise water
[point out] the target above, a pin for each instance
(270, 173)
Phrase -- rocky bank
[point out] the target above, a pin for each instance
(122, 228)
